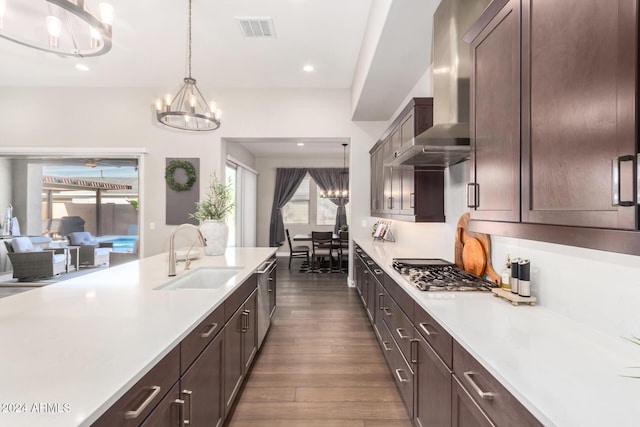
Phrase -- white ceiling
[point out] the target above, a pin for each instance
(149, 46)
(149, 50)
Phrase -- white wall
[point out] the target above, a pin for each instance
(93, 118)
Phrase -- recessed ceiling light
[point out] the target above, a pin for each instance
(82, 67)
(300, 144)
(308, 68)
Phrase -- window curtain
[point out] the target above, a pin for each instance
(331, 179)
(287, 182)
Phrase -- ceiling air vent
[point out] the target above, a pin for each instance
(256, 27)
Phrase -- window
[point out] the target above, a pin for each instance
(326, 213)
(327, 210)
(230, 178)
(296, 211)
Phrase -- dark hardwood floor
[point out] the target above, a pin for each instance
(320, 364)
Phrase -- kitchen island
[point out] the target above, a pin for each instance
(72, 349)
(563, 372)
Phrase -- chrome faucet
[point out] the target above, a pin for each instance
(172, 244)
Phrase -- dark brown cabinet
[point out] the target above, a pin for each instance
(240, 346)
(169, 412)
(579, 112)
(406, 192)
(201, 387)
(433, 390)
(464, 410)
(554, 121)
(494, 191)
(440, 383)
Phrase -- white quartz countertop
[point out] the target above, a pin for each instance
(564, 372)
(71, 349)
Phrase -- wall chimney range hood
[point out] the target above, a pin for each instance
(446, 143)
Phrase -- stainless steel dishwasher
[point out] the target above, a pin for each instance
(264, 311)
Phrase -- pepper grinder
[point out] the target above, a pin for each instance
(524, 283)
(515, 269)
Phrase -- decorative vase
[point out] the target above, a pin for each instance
(217, 234)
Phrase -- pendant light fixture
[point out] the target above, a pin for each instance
(189, 109)
(343, 190)
(63, 27)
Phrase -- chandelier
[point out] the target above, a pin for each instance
(342, 191)
(188, 110)
(64, 27)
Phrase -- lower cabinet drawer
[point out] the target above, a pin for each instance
(400, 326)
(203, 334)
(137, 403)
(500, 406)
(435, 335)
(400, 370)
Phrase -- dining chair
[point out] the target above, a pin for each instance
(343, 250)
(299, 251)
(322, 247)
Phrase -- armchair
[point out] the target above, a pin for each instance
(91, 252)
(31, 263)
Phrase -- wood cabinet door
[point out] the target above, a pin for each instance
(373, 173)
(407, 190)
(272, 288)
(250, 335)
(494, 190)
(201, 387)
(233, 362)
(433, 387)
(465, 411)
(387, 178)
(169, 411)
(579, 112)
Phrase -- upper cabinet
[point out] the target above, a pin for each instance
(554, 120)
(410, 193)
(579, 112)
(494, 191)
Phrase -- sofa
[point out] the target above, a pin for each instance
(32, 262)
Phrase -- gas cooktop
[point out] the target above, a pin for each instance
(433, 274)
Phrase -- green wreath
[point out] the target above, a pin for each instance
(188, 169)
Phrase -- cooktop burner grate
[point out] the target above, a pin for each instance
(432, 274)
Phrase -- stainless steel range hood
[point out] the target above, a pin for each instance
(447, 142)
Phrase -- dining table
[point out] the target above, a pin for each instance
(306, 237)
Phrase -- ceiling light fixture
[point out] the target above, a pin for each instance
(82, 67)
(64, 27)
(342, 191)
(308, 68)
(188, 110)
(300, 144)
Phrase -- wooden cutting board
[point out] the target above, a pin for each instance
(473, 251)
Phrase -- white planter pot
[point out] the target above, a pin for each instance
(217, 234)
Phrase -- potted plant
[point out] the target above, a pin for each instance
(211, 211)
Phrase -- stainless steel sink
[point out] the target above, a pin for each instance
(201, 278)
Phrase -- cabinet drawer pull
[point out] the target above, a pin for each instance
(473, 195)
(401, 334)
(385, 345)
(423, 326)
(377, 271)
(180, 404)
(188, 400)
(386, 311)
(390, 204)
(414, 344)
(402, 380)
(380, 301)
(370, 262)
(129, 415)
(412, 200)
(483, 394)
(208, 332)
(245, 320)
(615, 181)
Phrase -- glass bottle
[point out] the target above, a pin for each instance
(505, 275)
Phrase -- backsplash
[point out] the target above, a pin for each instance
(600, 289)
